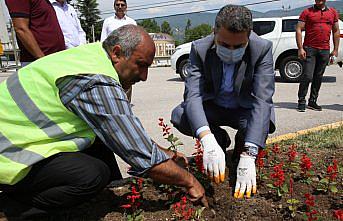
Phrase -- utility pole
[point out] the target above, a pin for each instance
(286, 9)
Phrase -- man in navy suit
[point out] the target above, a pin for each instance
(230, 83)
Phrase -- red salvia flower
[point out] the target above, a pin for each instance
(305, 164)
(311, 215)
(198, 156)
(291, 182)
(292, 153)
(332, 170)
(309, 200)
(165, 128)
(140, 183)
(260, 158)
(278, 176)
(182, 211)
(276, 149)
(134, 196)
(338, 214)
(126, 206)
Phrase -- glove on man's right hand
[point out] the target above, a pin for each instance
(213, 158)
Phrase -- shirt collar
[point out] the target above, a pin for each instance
(123, 18)
(324, 9)
(56, 2)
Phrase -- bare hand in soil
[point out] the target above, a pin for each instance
(180, 159)
(197, 194)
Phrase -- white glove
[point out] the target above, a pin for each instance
(213, 158)
(246, 177)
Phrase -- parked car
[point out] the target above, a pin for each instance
(281, 31)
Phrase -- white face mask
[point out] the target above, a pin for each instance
(230, 56)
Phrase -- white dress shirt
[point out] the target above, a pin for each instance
(70, 24)
(112, 23)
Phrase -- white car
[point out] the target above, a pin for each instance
(281, 31)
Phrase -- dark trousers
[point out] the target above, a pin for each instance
(66, 180)
(314, 67)
(216, 116)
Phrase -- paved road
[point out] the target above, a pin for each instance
(163, 91)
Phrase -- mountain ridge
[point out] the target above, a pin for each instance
(178, 22)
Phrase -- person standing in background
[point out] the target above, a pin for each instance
(318, 22)
(114, 22)
(119, 19)
(73, 33)
(37, 29)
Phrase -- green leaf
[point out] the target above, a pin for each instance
(292, 201)
(178, 143)
(198, 212)
(294, 165)
(324, 180)
(308, 181)
(292, 208)
(279, 192)
(175, 139)
(170, 138)
(333, 189)
(265, 177)
(270, 186)
(321, 189)
(284, 188)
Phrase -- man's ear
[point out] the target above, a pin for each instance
(116, 53)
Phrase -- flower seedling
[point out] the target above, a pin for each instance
(311, 213)
(278, 176)
(306, 168)
(132, 210)
(329, 182)
(183, 211)
(173, 140)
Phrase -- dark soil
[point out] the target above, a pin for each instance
(266, 205)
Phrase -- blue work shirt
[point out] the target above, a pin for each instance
(227, 97)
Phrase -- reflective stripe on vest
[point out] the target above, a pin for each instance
(34, 123)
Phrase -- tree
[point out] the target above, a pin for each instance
(165, 28)
(197, 32)
(89, 16)
(188, 25)
(150, 25)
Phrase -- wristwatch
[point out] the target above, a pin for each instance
(251, 150)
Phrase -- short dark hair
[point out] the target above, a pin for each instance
(234, 18)
(119, 0)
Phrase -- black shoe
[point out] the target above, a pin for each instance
(314, 106)
(301, 107)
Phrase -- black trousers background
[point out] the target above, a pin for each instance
(314, 67)
(66, 179)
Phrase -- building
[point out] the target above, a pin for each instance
(165, 47)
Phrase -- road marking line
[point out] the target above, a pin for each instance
(302, 132)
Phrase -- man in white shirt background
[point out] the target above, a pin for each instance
(69, 23)
(117, 20)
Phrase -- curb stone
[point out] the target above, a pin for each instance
(302, 132)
